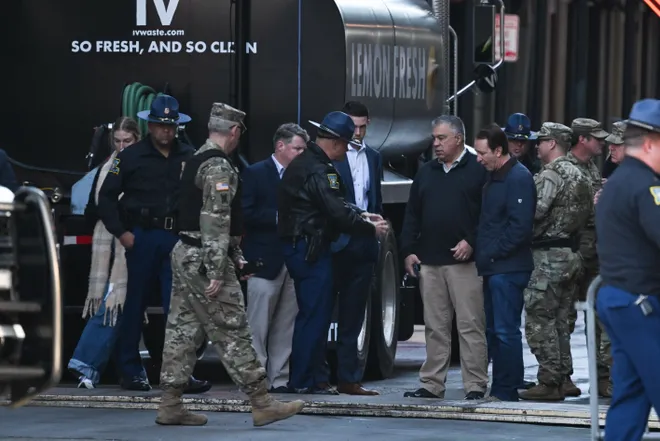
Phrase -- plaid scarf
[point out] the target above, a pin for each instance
(105, 271)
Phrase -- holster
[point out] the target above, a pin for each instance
(315, 245)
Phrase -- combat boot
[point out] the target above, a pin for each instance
(172, 413)
(266, 410)
(570, 389)
(605, 388)
(542, 392)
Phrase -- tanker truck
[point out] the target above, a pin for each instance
(77, 65)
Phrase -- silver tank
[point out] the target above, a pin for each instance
(396, 64)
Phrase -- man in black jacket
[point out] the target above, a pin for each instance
(439, 234)
(311, 214)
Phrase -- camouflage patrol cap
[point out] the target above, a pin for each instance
(556, 131)
(616, 137)
(224, 116)
(586, 126)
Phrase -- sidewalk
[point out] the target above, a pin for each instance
(391, 403)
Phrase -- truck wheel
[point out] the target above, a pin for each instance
(385, 298)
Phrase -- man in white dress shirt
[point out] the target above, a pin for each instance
(271, 297)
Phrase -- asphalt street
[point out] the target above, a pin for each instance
(40, 423)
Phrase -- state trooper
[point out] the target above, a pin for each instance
(564, 203)
(206, 294)
(148, 175)
(312, 213)
(588, 141)
(628, 302)
(518, 131)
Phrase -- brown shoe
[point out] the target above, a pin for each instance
(570, 389)
(542, 392)
(354, 389)
(172, 413)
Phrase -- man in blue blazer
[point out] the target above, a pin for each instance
(355, 256)
(271, 297)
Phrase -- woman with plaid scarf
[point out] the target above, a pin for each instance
(107, 276)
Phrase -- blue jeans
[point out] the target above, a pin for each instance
(95, 347)
(636, 357)
(503, 299)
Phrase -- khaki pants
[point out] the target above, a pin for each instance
(271, 313)
(445, 290)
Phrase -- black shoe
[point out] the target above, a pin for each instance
(197, 386)
(324, 389)
(528, 385)
(137, 383)
(420, 393)
(474, 395)
(279, 390)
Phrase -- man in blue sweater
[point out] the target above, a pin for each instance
(504, 255)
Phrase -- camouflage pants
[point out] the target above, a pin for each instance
(548, 300)
(604, 353)
(223, 318)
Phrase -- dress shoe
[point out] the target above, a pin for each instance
(355, 389)
(422, 393)
(280, 390)
(196, 386)
(136, 383)
(324, 389)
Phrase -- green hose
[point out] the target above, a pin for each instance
(136, 98)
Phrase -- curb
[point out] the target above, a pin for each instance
(452, 410)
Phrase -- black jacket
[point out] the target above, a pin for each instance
(310, 200)
(443, 209)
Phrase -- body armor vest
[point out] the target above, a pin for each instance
(191, 197)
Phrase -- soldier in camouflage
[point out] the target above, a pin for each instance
(588, 142)
(206, 295)
(617, 151)
(564, 203)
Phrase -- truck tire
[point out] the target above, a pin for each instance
(384, 299)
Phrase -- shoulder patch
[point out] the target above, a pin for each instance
(114, 168)
(655, 192)
(333, 180)
(221, 186)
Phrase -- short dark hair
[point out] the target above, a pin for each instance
(355, 108)
(634, 135)
(495, 137)
(286, 133)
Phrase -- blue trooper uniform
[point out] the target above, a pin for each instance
(149, 182)
(628, 302)
(311, 214)
(519, 128)
(353, 265)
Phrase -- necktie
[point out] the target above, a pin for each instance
(281, 172)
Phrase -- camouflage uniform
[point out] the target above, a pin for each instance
(585, 126)
(222, 318)
(563, 205)
(616, 137)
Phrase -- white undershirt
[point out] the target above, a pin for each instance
(357, 160)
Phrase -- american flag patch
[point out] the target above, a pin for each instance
(221, 186)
